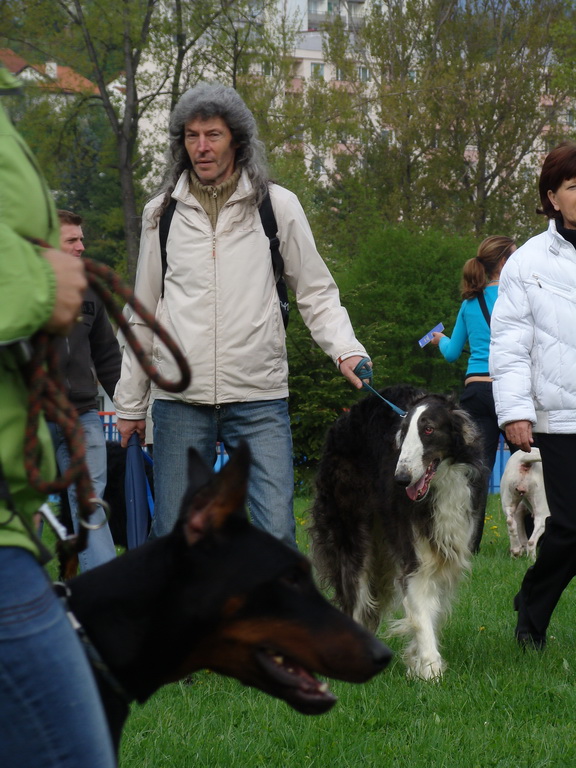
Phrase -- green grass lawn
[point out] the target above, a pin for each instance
(495, 706)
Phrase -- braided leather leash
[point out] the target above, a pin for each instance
(46, 393)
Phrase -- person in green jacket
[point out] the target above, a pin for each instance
(50, 711)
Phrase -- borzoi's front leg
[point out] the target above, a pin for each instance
(422, 605)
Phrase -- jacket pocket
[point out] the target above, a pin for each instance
(557, 289)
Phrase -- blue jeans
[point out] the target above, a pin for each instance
(50, 710)
(100, 547)
(264, 425)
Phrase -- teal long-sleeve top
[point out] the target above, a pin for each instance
(471, 327)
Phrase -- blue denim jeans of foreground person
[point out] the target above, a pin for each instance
(50, 711)
(264, 425)
(100, 543)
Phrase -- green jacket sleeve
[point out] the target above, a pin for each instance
(27, 212)
(27, 287)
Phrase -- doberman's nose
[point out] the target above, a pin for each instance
(381, 654)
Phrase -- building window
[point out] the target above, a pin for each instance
(317, 164)
(317, 70)
(387, 136)
(364, 74)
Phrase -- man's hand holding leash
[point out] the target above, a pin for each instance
(347, 368)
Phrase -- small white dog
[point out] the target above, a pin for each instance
(522, 494)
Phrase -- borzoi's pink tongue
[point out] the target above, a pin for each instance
(414, 489)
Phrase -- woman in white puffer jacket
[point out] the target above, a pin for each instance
(533, 363)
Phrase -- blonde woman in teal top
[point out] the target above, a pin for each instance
(479, 288)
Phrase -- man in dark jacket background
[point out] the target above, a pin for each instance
(88, 355)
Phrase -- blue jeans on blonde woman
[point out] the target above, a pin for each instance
(100, 547)
(50, 711)
(264, 425)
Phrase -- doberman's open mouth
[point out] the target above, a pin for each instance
(418, 490)
(298, 687)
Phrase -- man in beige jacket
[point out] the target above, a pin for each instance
(218, 298)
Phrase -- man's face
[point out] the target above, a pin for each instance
(211, 149)
(71, 239)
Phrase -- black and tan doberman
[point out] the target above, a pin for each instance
(218, 594)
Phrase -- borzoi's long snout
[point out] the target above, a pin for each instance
(410, 466)
(415, 467)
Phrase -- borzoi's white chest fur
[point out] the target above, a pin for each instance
(452, 519)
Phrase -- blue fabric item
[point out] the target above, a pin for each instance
(136, 491)
(263, 424)
(146, 456)
(50, 710)
(471, 327)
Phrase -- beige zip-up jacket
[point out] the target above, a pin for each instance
(220, 301)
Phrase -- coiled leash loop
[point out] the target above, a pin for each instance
(99, 276)
(364, 373)
(46, 393)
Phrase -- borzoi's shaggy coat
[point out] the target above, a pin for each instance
(397, 501)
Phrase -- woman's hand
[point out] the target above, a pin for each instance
(520, 433)
(436, 336)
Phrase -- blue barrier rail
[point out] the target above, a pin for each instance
(502, 457)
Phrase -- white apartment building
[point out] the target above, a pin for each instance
(315, 15)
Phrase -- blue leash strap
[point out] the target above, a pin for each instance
(364, 372)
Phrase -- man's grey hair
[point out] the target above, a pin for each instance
(206, 101)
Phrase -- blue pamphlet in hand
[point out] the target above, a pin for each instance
(425, 339)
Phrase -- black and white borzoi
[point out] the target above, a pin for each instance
(397, 501)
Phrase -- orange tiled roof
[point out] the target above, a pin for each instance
(66, 80)
(12, 61)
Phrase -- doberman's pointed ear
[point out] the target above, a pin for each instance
(207, 509)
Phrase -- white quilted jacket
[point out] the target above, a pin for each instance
(533, 336)
(221, 304)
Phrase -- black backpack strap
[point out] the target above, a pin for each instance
(484, 307)
(164, 228)
(271, 229)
